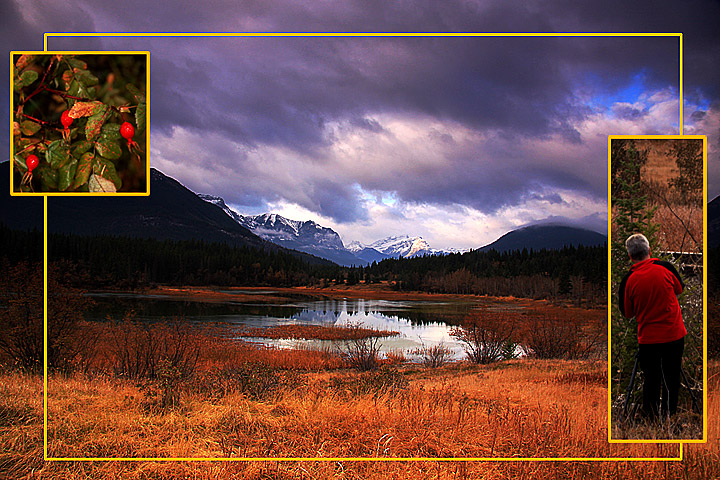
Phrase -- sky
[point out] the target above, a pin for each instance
(457, 140)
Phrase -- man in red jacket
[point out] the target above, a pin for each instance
(649, 293)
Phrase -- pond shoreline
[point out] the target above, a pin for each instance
(380, 291)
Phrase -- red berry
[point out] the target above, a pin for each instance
(66, 119)
(32, 161)
(127, 131)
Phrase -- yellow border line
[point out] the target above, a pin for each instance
(704, 438)
(682, 100)
(48, 35)
(680, 456)
(45, 327)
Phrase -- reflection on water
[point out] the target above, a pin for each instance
(420, 323)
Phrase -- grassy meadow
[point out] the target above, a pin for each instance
(245, 402)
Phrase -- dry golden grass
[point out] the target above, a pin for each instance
(517, 408)
(681, 227)
(231, 354)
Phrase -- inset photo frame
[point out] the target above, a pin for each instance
(79, 123)
(657, 288)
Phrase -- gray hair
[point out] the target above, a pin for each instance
(637, 246)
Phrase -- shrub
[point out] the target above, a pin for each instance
(70, 340)
(485, 335)
(360, 351)
(138, 350)
(552, 336)
(434, 356)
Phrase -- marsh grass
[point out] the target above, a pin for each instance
(525, 408)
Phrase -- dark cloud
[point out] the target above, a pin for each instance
(292, 93)
(338, 201)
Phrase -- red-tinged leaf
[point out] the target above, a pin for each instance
(135, 92)
(84, 169)
(95, 123)
(81, 147)
(68, 77)
(23, 61)
(29, 128)
(86, 109)
(108, 148)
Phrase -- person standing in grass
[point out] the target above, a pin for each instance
(649, 293)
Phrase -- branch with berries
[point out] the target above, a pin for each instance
(70, 114)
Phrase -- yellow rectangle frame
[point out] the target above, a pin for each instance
(49, 35)
(609, 285)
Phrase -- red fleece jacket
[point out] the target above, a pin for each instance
(649, 293)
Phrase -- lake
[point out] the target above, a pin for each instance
(420, 323)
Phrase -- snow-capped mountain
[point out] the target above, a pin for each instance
(279, 229)
(365, 253)
(403, 246)
(221, 203)
(309, 237)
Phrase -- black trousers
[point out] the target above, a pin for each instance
(661, 363)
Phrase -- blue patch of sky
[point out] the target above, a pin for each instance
(604, 96)
(378, 197)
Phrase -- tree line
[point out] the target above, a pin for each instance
(576, 273)
(579, 273)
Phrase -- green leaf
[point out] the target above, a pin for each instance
(20, 162)
(28, 77)
(29, 128)
(75, 63)
(73, 88)
(140, 115)
(81, 147)
(48, 177)
(84, 169)
(137, 94)
(111, 131)
(108, 148)
(85, 77)
(98, 184)
(95, 123)
(57, 154)
(106, 168)
(66, 175)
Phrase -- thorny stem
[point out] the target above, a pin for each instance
(63, 94)
(41, 86)
(42, 122)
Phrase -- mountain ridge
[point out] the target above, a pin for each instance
(545, 236)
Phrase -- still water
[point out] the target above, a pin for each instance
(420, 323)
